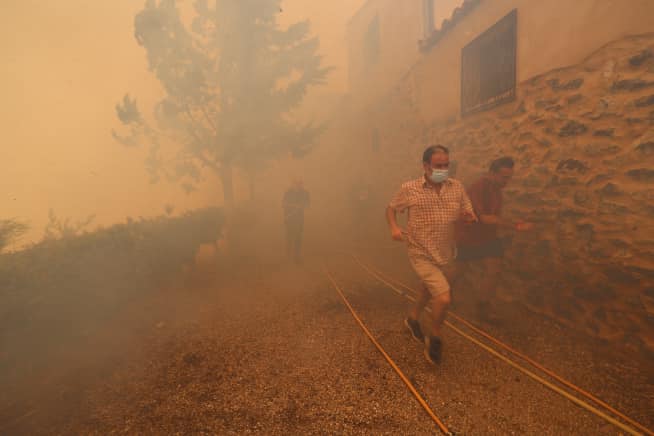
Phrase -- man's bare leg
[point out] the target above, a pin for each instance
(492, 267)
(416, 308)
(439, 305)
(412, 321)
(454, 272)
(488, 287)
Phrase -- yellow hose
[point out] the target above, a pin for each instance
(522, 369)
(526, 358)
(399, 372)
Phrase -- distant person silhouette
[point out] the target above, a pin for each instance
(296, 200)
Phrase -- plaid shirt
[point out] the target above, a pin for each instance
(430, 227)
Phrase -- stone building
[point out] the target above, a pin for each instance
(567, 89)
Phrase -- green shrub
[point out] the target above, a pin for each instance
(62, 287)
(10, 231)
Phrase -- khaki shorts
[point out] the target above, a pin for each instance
(432, 276)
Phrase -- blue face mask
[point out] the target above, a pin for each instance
(439, 176)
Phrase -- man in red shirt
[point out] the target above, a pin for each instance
(480, 241)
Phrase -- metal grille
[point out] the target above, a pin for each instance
(488, 67)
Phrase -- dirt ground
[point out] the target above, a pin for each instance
(270, 349)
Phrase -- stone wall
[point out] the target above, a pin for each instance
(550, 34)
(583, 139)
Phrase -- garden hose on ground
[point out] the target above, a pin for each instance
(381, 277)
(399, 372)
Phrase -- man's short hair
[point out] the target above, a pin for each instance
(503, 162)
(429, 151)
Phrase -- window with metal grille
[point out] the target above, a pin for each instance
(488, 67)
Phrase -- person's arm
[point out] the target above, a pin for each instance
(398, 204)
(391, 218)
(499, 221)
(495, 220)
(476, 196)
(467, 210)
(483, 215)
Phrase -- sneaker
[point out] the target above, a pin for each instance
(414, 328)
(433, 350)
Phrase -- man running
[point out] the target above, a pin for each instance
(296, 199)
(480, 242)
(434, 203)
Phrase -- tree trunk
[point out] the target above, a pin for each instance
(251, 183)
(227, 179)
(228, 237)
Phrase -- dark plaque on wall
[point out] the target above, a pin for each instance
(488, 67)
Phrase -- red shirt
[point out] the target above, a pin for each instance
(486, 198)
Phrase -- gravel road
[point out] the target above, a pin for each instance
(272, 350)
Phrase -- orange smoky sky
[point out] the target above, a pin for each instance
(66, 64)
